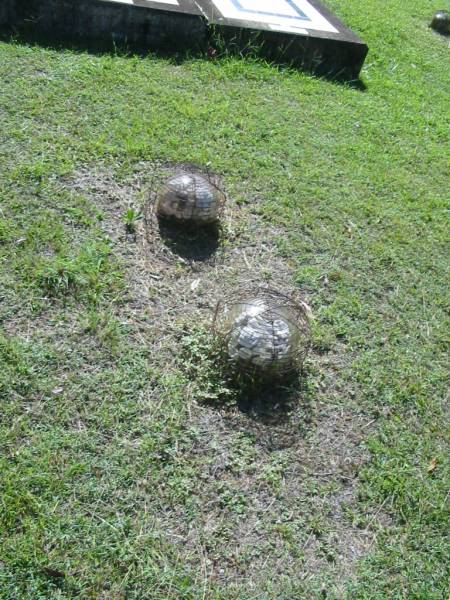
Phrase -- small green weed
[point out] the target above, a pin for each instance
(204, 364)
(131, 219)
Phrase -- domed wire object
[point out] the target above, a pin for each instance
(172, 212)
(441, 22)
(188, 196)
(263, 332)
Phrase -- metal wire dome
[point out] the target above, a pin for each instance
(263, 331)
(190, 197)
(441, 22)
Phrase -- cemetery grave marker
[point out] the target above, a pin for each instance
(301, 32)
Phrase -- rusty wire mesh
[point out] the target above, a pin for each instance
(188, 196)
(263, 330)
(183, 213)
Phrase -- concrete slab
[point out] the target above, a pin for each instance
(188, 7)
(175, 25)
(291, 16)
(300, 32)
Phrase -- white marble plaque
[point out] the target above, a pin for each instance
(280, 15)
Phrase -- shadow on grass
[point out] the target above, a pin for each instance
(272, 401)
(194, 244)
(276, 412)
(175, 56)
(98, 47)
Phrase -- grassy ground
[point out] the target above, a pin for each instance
(128, 468)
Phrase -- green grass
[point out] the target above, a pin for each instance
(116, 480)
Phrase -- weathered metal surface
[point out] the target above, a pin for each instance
(190, 197)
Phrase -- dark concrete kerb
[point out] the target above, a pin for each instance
(153, 25)
(299, 32)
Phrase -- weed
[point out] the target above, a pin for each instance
(131, 219)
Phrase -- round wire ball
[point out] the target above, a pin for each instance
(441, 22)
(190, 198)
(264, 332)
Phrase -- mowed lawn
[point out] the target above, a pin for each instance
(128, 469)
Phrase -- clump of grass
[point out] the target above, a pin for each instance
(7, 231)
(86, 275)
(61, 276)
(130, 219)
(25, 367)
(104, 326)
(206, 367)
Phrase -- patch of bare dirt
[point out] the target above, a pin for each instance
(282, 509)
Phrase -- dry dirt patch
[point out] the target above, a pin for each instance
(277, 482)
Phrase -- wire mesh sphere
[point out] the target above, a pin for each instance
(265, 332)
(190, 197)
(441, 22)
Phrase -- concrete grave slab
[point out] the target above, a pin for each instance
(301, 32)
(154, 24)
(188, 7)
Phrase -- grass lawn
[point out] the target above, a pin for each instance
(128, 467)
